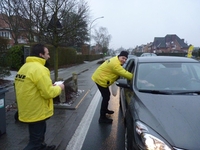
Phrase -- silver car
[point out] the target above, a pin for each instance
(161, 104)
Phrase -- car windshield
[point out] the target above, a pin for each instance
(173, 77)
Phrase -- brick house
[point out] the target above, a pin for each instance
(171, 43)
(6, 31)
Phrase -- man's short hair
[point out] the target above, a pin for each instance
(37, 49)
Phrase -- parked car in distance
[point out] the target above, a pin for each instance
(129, 57)
(147, 54)
(161, 104)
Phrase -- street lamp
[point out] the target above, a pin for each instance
(90, 29)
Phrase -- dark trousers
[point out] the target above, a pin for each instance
(105, 93)
(36, 135)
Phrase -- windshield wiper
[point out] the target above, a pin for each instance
(156, 92)
(188, 92)
(170, 92)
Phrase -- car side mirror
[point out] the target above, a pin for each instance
(122, 83)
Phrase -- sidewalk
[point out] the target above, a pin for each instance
(64, 73)
(61, 126)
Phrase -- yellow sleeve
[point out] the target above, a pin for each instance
(118, 69)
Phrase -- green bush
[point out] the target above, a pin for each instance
(4, 61)
(66, 56)
(4, 66)
(16, 56)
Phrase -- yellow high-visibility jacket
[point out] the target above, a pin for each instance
(108, 72)
(34, 91)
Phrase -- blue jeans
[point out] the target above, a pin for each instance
(36, 135)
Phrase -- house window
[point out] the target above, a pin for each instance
(2, 34)
(9, 35)
(5, 34)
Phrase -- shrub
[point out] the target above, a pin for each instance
(16, 56)
(4, 61)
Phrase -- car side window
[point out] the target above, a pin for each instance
(130, 68)
(130, 65)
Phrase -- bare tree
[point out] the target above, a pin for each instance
(13, 16)
(34, 12)
(102, 37)
(67, 20)
(75, 25)
(57, 22)
(36, 15)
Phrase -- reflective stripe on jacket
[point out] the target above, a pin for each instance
(34, 91)
(108, 72)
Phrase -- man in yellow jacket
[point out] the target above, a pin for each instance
(104, 76)
(34, 94)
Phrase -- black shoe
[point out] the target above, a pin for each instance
(50, 147)
(110, 112)
(105, 120)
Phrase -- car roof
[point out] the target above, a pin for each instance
(130, 56)
(164, 59)
(148, 54)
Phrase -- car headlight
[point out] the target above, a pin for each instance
(148, 141)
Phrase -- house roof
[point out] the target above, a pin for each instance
(160, 42)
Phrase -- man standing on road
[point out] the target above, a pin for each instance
(104, 76)
(35, 93)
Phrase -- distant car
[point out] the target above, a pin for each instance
(129, 57)
(148, 54)
(161, 104)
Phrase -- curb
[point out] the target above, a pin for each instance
(8, 84)
(76, 101)
(88, 94)
(70, 78)
(75, 105)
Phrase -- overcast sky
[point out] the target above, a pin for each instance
(137, 22)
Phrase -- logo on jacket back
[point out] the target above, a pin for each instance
(20, 77)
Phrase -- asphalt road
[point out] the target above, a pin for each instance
(90, 135)
(72, 129)
(106, 136)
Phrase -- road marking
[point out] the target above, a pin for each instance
(78, 138)
(82, 99)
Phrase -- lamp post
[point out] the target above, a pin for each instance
(90, 29)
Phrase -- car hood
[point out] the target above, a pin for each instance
(174, 117)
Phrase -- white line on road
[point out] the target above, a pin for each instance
(78, 138)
